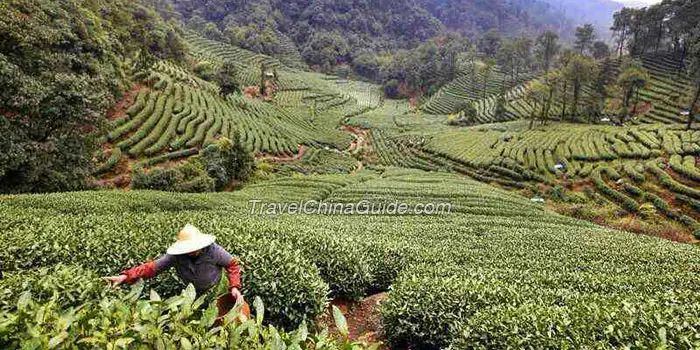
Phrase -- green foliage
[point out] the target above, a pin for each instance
(190, 176)
(228, 160)
(585, 35)
(497, 261)
(128, 319)
(226, 78)
(61, 66)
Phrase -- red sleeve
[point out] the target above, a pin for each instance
(234, 274)
(146, 270)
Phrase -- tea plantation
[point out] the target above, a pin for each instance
(499, 271)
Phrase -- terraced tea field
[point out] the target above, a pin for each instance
(497, 262)
(624, 167)
(174, 113)
(662, 94)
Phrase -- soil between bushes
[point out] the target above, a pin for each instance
(363, 318)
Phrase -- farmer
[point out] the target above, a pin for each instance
(197, 259)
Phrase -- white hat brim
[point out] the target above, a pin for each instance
(189, 246)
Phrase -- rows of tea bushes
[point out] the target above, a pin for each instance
(497, 262)
(561, 153)
(663, 91)
(470, 87)
(176, 113)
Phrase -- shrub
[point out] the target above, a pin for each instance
(188, 177)
(226, 160)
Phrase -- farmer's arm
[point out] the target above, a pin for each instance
(233, 269)
(145, 270)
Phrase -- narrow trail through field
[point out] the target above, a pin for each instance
(362, 143)
(119, 109)
(277, 159)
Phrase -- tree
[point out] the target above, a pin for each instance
(546, 48)
(62, 65)
(601, 50)
(632, 79)
(621, 23)
(490, 43)
(584, 38)
(466, 115)
(551, 80)
(523, 50)
(563, 62)
(638, 29)
(694, 74)
(537, 94)
(507, 58)
(579, 70)
(263, 79)
(225, 77)
(599, 94)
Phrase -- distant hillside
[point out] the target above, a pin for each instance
(331, 32)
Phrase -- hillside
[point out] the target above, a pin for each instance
(328, 33)
(450, 174)
(496, 258)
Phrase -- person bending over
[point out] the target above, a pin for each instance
(197, 260)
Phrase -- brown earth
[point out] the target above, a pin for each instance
(118, 110)
(363, 318)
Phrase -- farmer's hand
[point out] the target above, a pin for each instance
(114, 281)
(236, 294)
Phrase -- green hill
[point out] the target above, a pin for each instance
(496, 262)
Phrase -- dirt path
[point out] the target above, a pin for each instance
(361, 145)
(119, 109)
(364, 320)
(276, 159)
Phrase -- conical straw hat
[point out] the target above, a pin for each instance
(190, 239)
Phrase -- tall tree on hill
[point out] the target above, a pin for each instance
(537, 94)
(523, 49)
(490, 43)
(694, 74)
(639, 29)
(472, 55)
(579, 71)
(551, 81)
(681, 25)
(585, 35)
(620, 29)
(507, 59)
(263, 79)
(225, 77)
(546, 48)
(656, 16)
(626, 88)
(563, 61)
(599, 94)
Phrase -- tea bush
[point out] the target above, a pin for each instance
(497, 263)
(128, 320)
